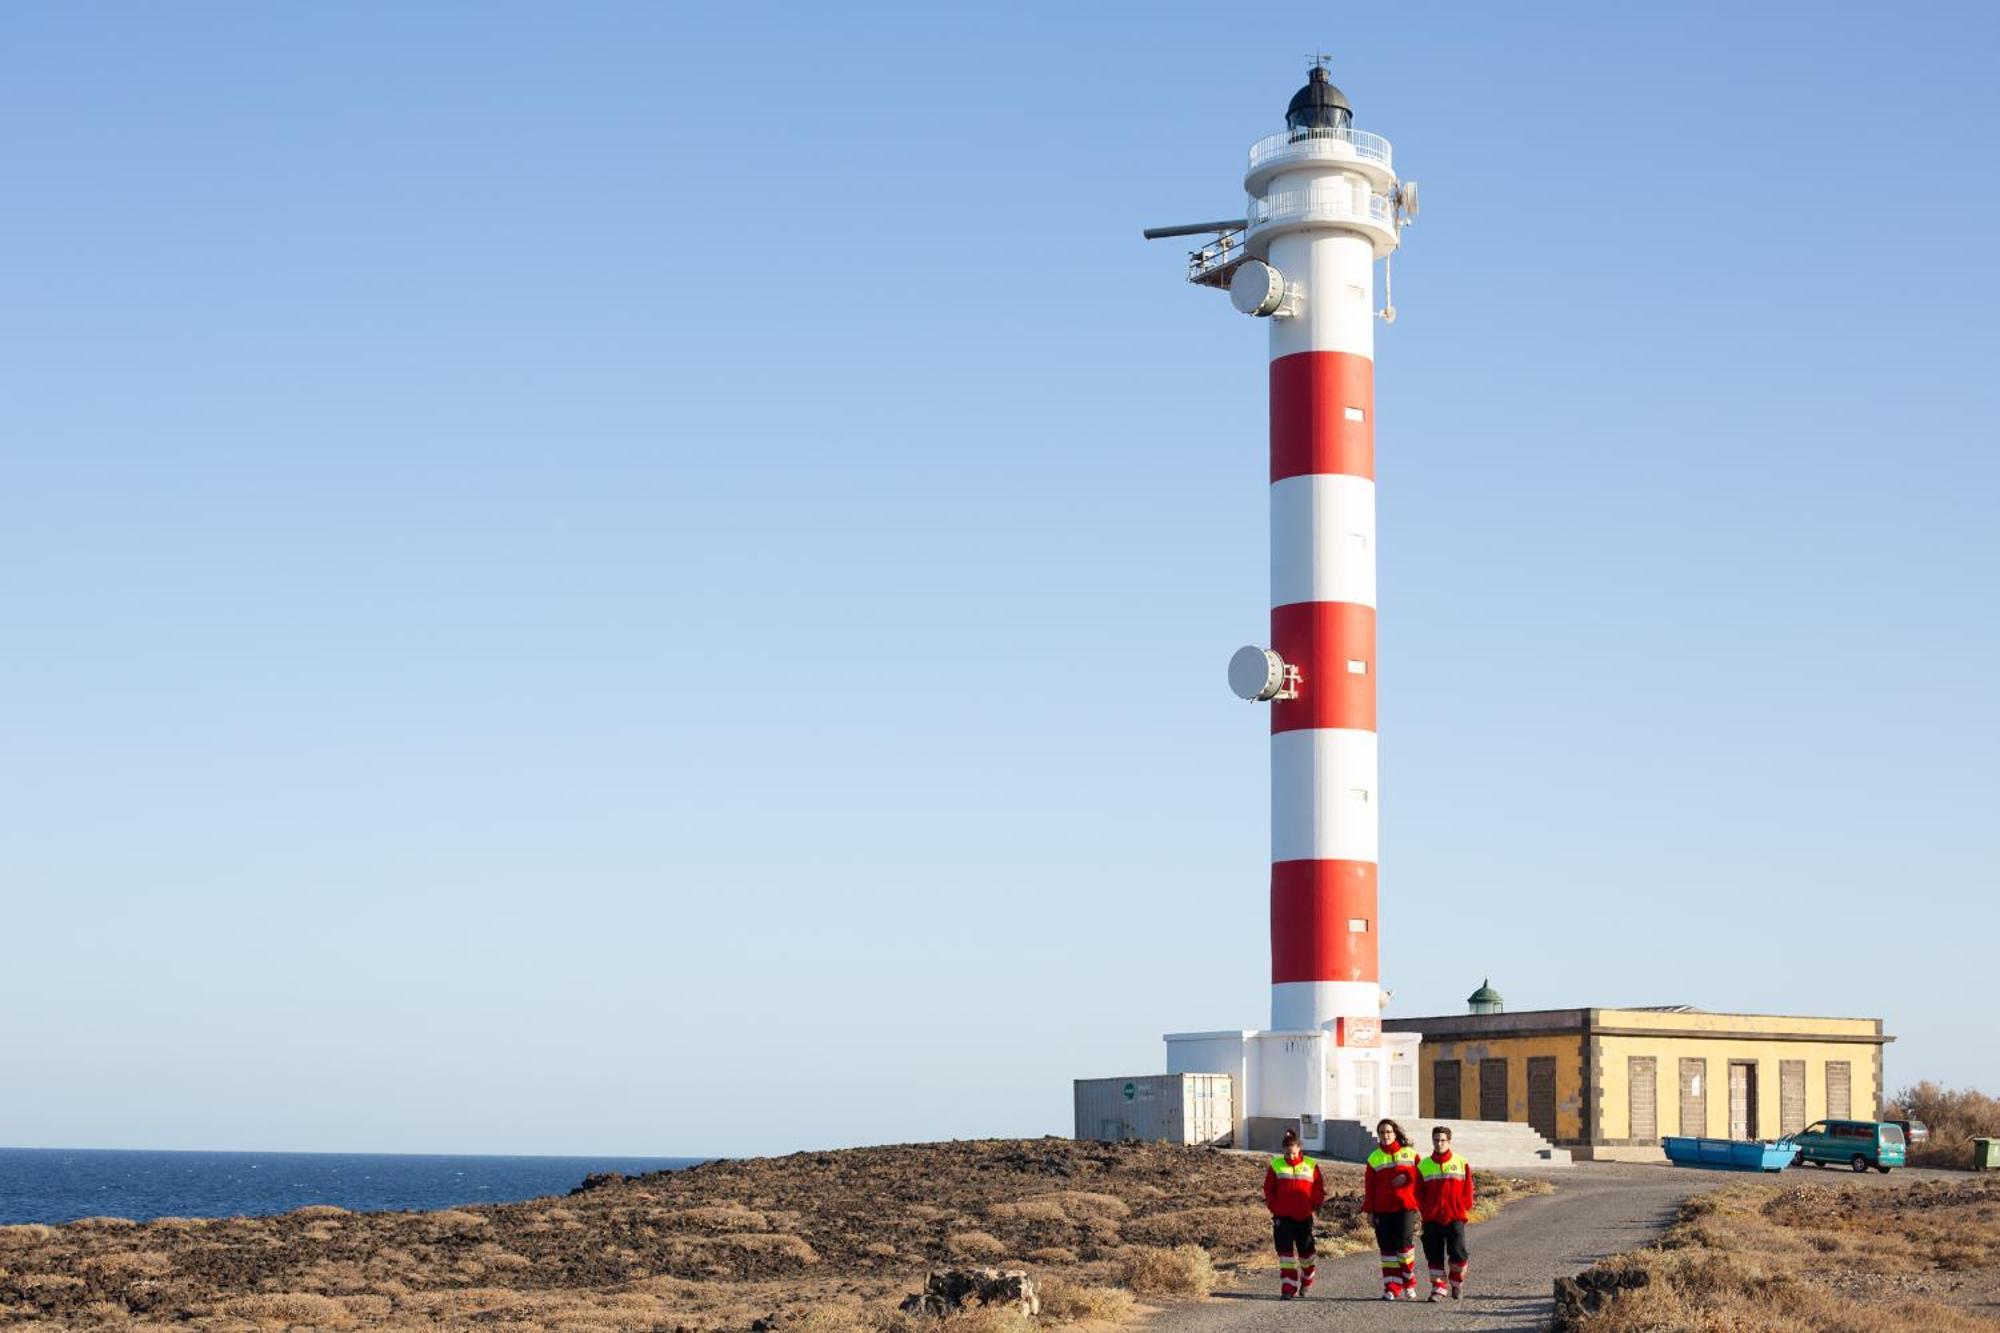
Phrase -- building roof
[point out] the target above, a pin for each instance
(1658, 1020)
(1485, 994)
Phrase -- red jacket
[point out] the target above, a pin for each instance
(1293, 1189)
(1391, 1183)
(1444, 1188)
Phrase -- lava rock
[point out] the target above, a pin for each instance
(949, 1290)
(1589, 1292)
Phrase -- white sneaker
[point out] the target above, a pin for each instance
(1388, 1295)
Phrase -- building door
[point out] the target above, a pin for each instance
(1542, 1095)
(1402, 1088)
(1445, 1076)
(1642, 1080)
(1492, 1089)
(1742, 1099)
(1839, 1090)
(1364, 1091)
(1694, 1097)
(1791, 1096)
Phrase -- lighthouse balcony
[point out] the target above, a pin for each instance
(1328, 205)
(1335, 146)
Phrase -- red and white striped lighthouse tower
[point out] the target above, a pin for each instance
(1324, 205)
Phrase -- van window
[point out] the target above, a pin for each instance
(1892, 1134)
(1816, 1127)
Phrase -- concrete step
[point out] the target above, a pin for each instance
(1500, 1145)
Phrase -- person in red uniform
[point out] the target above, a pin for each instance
(1389, 1197)
(1444, 1197)
(1293, 1191)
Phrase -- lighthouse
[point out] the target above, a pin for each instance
(1324, 210)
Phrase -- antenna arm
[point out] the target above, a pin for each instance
(1196, 229)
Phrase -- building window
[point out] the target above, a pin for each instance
(1839, 1089)
(1357, 414)
(1356, 667)
(1358, 924)
(1791, 1096)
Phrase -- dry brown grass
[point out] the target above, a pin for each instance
(823, 1242)
(974, 1246)
(1068, 1302)
(285, 1308)
(716, 1217)
(1839, 1257)
(1184, 1270)
(1028, 1210)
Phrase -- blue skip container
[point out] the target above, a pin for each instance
(1730, 1154)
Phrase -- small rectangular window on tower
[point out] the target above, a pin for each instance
(1356, 667)
(1359, 793)
(1357, 414)
(1358, 925)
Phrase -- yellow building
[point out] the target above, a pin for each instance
(1609, 1083)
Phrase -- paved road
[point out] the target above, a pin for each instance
(1599, 1208)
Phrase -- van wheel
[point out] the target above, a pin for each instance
(1859, 1163)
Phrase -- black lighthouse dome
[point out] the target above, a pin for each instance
(1319, 105)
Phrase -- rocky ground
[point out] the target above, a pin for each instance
(813, 1241)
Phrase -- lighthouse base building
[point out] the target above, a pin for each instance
(1328, 1085)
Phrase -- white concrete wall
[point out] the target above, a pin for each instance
(1225, 1052)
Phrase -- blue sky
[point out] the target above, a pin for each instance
(624, 579)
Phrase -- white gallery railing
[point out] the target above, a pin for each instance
(1330, 203)
(1309, 145)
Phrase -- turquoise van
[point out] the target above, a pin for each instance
(1859, 1144)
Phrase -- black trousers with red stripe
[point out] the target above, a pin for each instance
(1293, 1235)
(1444, 1240)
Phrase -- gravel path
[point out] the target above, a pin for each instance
(1599, 1208)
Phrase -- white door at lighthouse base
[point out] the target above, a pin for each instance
(1364, 1089)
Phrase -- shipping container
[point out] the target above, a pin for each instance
(1159, 1108)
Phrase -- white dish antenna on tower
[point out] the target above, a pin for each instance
(1258, 675)
(1256, 288)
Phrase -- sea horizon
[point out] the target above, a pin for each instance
(58, 1185)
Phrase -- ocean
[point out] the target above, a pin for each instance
(63, 1184)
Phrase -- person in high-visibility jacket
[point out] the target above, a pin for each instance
(1389, 1197)
(1444, 1197)
(1293, 1191)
